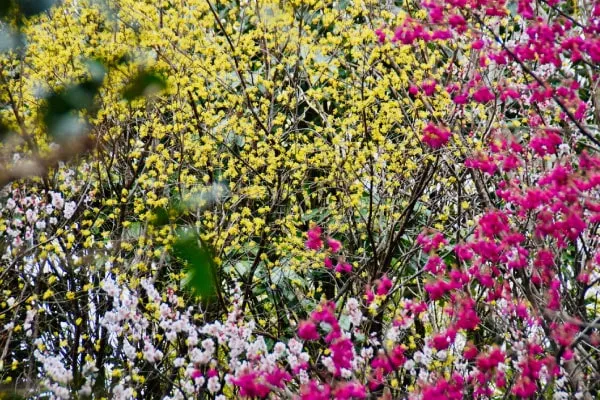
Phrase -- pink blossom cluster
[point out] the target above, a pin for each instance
(315, 242)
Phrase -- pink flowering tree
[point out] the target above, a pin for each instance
(520, 285)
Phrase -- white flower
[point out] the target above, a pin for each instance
(442, 354)
(60, 392)
(295, 346)
(257, 348)
(69, 210)
(192, 339)
(28, 320)
(329, 364)
(152, 354)
(208, 345)
(119, 392)
(171, 336)
(213, 384)
(178, 362)
(31, 216)
(129, 350)
(200, 357)
(110, 287)
(57, 200)
(279, 349)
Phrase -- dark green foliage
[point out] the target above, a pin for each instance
(144, 84)
(200, 266)
(62, 106)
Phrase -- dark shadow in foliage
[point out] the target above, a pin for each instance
(61, 113)
(145, 83)
(27, 8)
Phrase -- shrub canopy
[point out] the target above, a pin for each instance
(300, 199)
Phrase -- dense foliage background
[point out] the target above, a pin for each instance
(300, 199)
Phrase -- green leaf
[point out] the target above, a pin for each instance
(145, 84)
(200, 265)
(345, 322)
(134, 231)
(160, 217)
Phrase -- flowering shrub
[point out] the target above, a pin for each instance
(370, 200)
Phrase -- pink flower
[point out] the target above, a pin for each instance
(525, 387)
(211, 373)
(388, 362)
(314, 391)
(463, 252)
(397, 358)
(470, 351)
(436, 289)
(478, 44)
(328, 263)
(441, 35)
(314, 241)
(564, 334)
(435, 265)
(524, 9)
(343, 267)
(435, 136)
(326, 313)
(444, 390)
(545, 143)
(467, 316)
(512, 93)
(430, 243)
(278, 378)
(483, 163)
(350, 390)
(369, 295)
(334, 245)
(483, 95)
(417, 308)
(251, 386)
(307, 330)
(380, 35)
(491, 360)
(196, 374)
(341, 354)
(456, 20)
(443, 340)
(429, 87)
(460, 98)
(384, 286)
